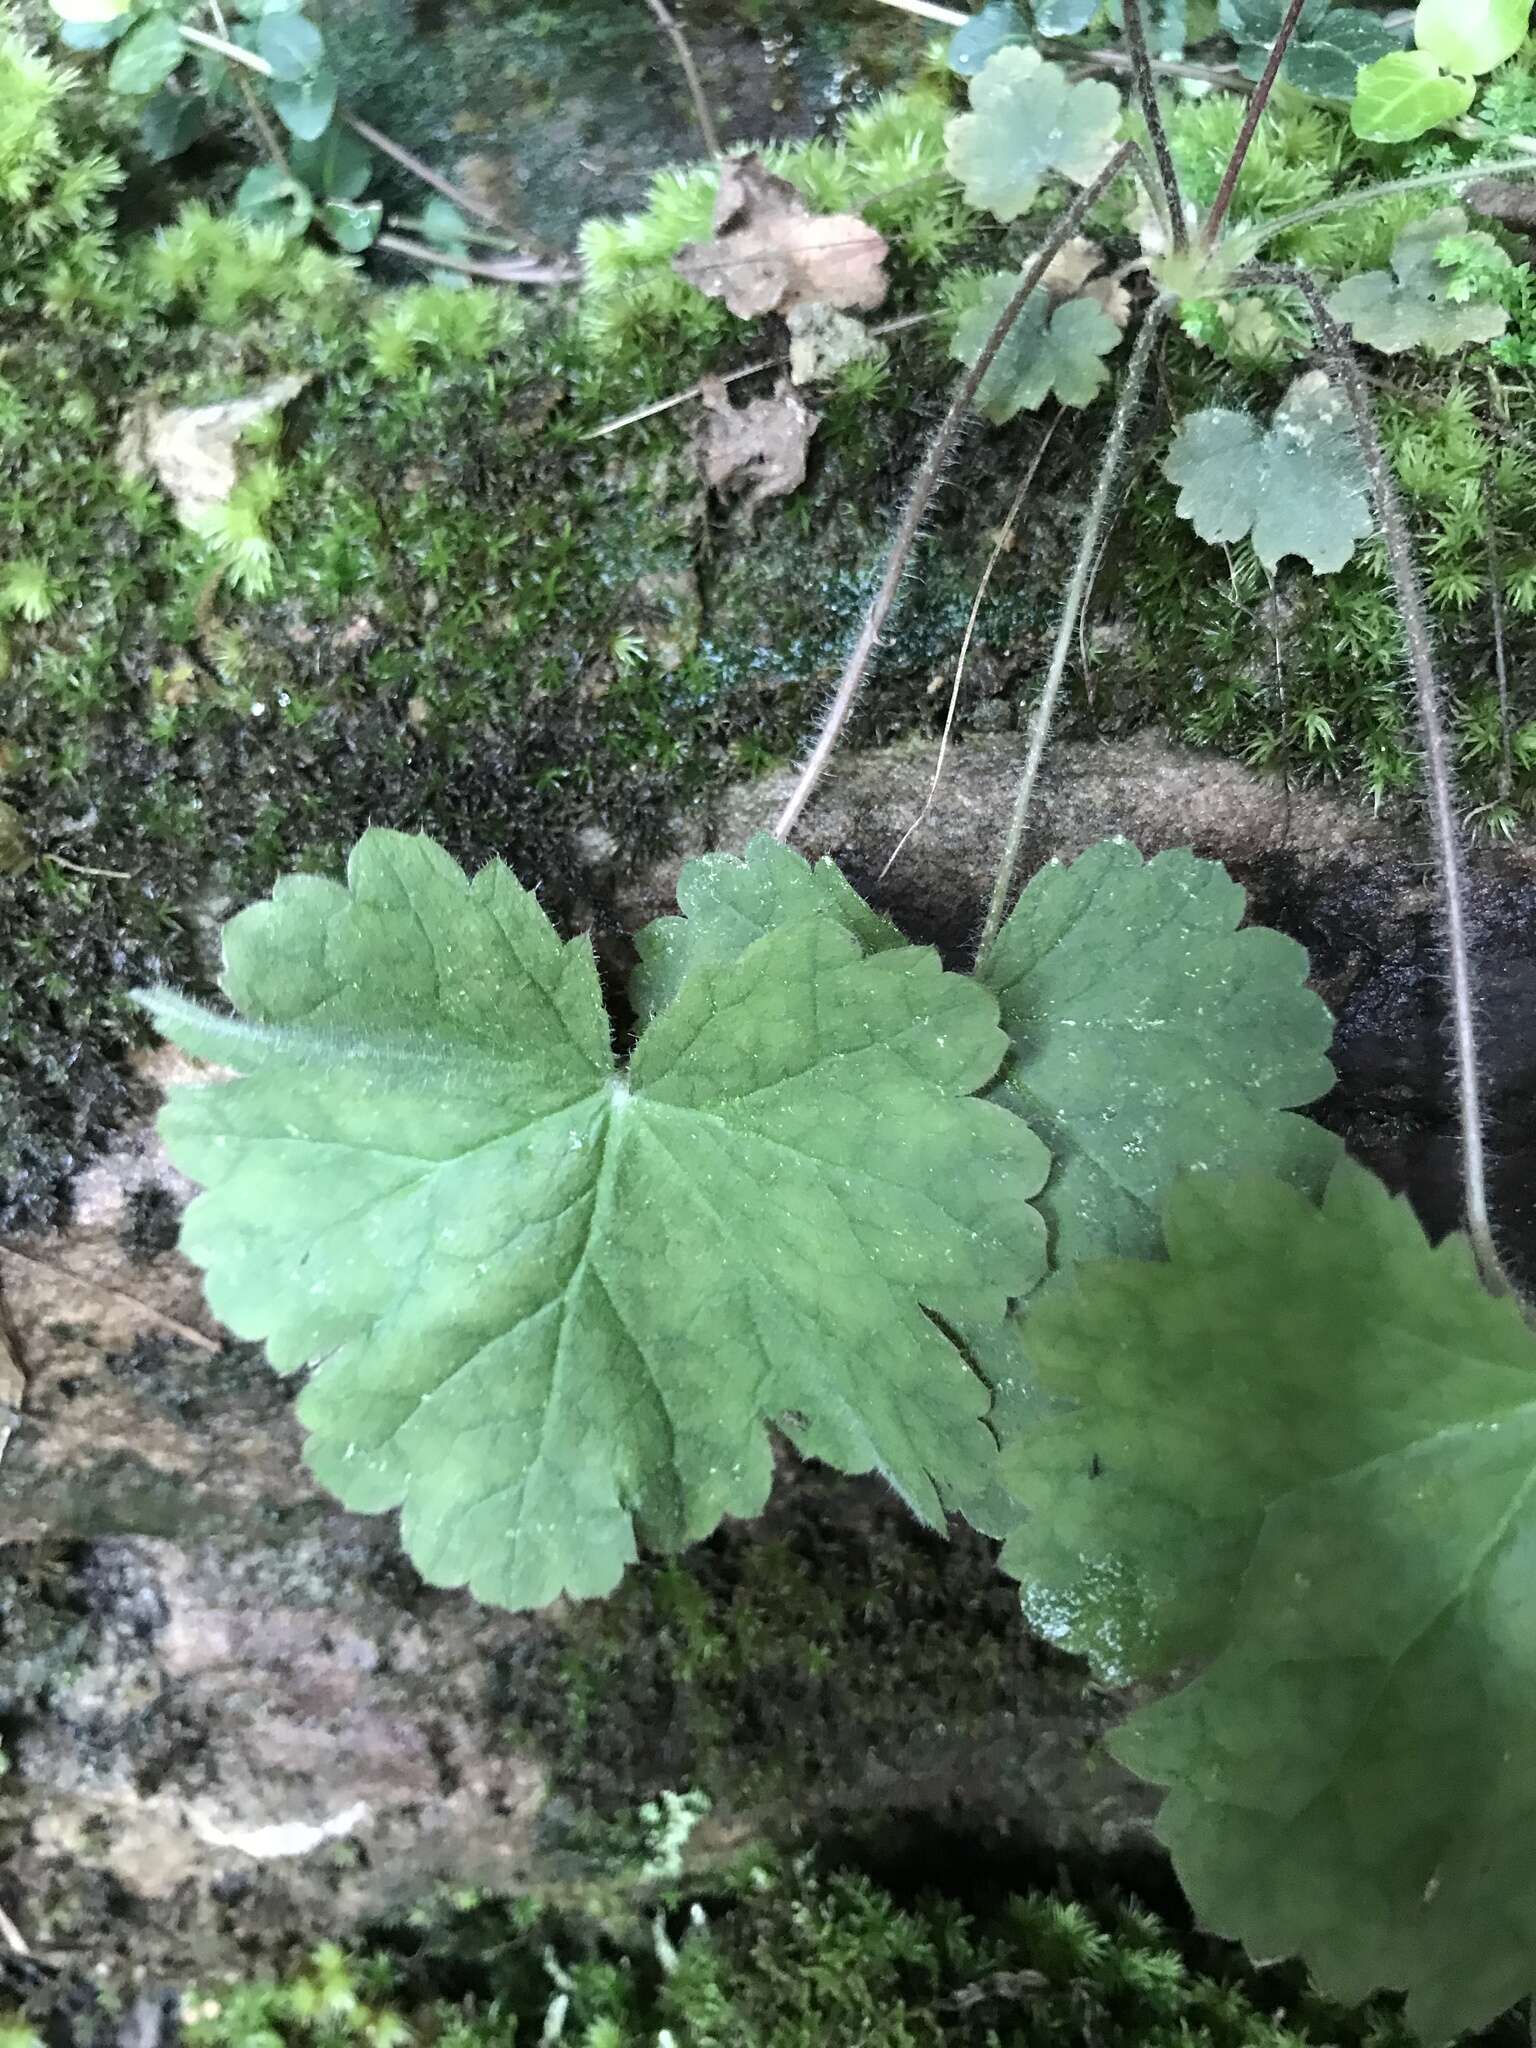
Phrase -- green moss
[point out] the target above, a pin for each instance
(785, 1957)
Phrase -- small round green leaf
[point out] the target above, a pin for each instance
(1471, 36)
(91, 13)
(351, 225)
(1026, 121)
(1064, 17)
(145, 59)
(1410, 306)
(292, 45)
(172, 122)
(272, 200)
(336, 166)
(305, 109)
(1048, 352)
(1404, 95)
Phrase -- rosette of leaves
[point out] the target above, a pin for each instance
(1300, 1456)
(1416, 304)
(552, 1302)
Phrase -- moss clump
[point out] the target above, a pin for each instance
(782, 1958)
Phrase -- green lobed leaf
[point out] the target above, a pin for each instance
(553, 1304)
(306, 108)
(1153, 1034)
(1064, 17)
(1404, 95)
(147, 55)
(1026, 121)
(1471, 36)
(728, 902)
(292, 45)
(1297, 487)
(1304, 1449)
(1408, 307)
(1048, 353)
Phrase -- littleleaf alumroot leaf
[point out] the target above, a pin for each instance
(1303, 1451)
(1027, 121)
(1408, 306)
(1298, 487)
(1050, 351)
(552, 1303)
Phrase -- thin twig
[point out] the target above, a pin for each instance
(10, 1933)
(515, 270)
(1152, 114)
(1253, 237)
(671, 28)
(927, 482)
(465, 201)
(999, 548)
(221, 46)
(1252, 114)
(1106, 493)
(660, 405)
(183, 1330)
(79, 868)
(269, 136)
(1419, 645)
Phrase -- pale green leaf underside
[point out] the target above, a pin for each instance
(1471, 36)
(551, 1303)
(1407, 307)
(1026, 121)
(1305, 1449)
(1297, 487)
(727, 902)
(1048, 352)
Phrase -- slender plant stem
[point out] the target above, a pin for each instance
(269, 136)
(1252, 115)
(408, 161)
(1496, 606)
(1152, 114)
(1419, 645)
(672, 29)
(1106, 492)
(514, 270)
(999, 547)
(927, 482)
(221, 46)
(1253, 238)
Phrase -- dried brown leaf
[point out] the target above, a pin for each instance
(770, 252)
(1112, 296)
(756, 449)
(1071, 267)
(823, 341)
(190, 449)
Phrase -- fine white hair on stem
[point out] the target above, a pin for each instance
(1106, 492)
(926, 482)
(1439, 787)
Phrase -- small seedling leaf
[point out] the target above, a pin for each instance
(1408, 307)
(1051, 350)
(998, 25)
(1026, 121)
(1297, 487)
(1404, 95)
(351, 225)
(170, 123)
(306, 107)
(292, 45)
(552, 1305)
(1302, 1452)
(335, 166)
